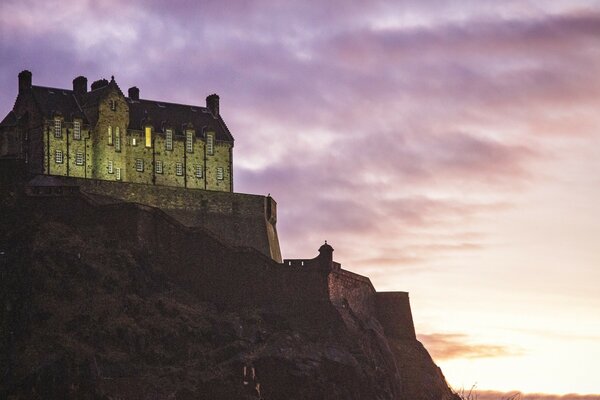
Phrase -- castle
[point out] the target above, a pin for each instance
(173, 164)
(101, 134)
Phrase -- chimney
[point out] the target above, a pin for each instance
(134, 93)
(80, 85)
(24, 81)
(212, 103)
(100, 83)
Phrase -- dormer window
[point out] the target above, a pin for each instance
(169, 139)
(210, 144)
(148, 136)
(76, 130)
(189, 141)
(57, 128)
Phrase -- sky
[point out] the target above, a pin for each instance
(450, 149)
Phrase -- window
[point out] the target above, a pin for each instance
(148, 131)
(117, 139)
(57, 128)
(158, 167)
(118, 174)
(134, 141)
(169, 139)
(58, 156)
(110, 136)
(79, 158)
(198, 171)
(139, 165)
(220, 173)
(189, 141)
(210, 139)
(113, 105)
(179, 169)
(110, 167)
(76, 130)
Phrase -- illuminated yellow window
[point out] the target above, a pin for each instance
(148, 136)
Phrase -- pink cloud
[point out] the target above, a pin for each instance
(444, 346)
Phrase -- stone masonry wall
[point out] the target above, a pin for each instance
(210, 269)
(236, 219)
(393, 312)
(354, 290)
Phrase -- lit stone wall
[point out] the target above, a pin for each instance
(69, 146)
(198, 167)
(235, 218)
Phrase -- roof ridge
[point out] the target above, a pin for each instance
(167, 102)
(51, 88)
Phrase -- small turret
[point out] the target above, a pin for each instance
(326, 256)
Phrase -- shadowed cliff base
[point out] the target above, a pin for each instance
(90, 312)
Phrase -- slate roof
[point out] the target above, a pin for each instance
(9, 120)
(52, 100)
(169, 115)
(160, 114)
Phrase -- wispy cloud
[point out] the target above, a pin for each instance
(444, 346)
(493, 395)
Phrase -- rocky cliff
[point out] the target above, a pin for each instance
(86, 313)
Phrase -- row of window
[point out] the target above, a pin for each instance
(139, 166)
(159, 168)
(59, 157)
(189, 140)
(114, 137)
(76, 129)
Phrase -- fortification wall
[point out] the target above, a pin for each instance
(353, 290)
(213, 271)
(236, 219)
(394, 314)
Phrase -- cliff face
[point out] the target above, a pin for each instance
(88, 311)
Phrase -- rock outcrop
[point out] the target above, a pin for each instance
(86, 313)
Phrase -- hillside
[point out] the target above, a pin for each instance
(91, 309)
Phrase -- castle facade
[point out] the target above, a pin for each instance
(102, 134)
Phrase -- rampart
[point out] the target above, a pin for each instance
(227, 272)
(236, 219)
(355, 293)
(394, 314)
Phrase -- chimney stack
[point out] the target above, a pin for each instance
(80, 85)
(134, 93)
(212, 103)
(24, 81)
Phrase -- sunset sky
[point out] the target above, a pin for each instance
(450, 149)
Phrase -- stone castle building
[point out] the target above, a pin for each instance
(102, 134)
(162, 174)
